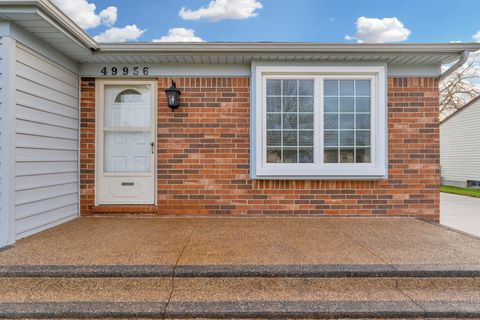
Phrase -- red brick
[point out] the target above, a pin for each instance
(203, 158)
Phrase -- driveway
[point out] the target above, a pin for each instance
(460, 212)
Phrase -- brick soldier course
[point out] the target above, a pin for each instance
(203, 152)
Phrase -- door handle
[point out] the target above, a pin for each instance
(152, 145)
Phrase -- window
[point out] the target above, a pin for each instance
(289, 121)
(346, 114)
(473, 184)
(319, 122)
(129, 95)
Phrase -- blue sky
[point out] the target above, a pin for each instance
(299, 20)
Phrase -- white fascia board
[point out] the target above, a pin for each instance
(289, 47)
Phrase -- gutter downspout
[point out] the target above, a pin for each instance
(463, 58)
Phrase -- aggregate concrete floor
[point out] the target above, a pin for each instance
(460, 212)
(95, 241)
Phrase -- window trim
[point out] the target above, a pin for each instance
(377, 169)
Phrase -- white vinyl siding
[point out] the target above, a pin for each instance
(46, 141)
(460, 146)
(3, 212)
(7, 236)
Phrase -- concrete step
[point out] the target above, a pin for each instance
(240, 297)
(229, 271)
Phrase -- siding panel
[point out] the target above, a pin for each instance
(460, 146)
(46, 153)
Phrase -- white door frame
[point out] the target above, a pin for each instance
(99, 143)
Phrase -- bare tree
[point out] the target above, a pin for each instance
(459, 88)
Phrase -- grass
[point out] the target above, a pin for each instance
(470, 192)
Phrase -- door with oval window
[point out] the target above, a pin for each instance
(126, 142)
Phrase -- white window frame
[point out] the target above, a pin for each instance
(376, 169)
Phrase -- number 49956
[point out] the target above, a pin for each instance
(125, 71)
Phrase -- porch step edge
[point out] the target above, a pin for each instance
(232, 271)
(242, 309)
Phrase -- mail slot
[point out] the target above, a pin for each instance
(128, 184)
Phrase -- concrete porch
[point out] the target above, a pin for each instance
(242, 267)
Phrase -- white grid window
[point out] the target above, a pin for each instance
(325, 122)
(290, 121)
(347, 114)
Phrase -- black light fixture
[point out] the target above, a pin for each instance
(173, 96)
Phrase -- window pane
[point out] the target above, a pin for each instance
(352, 117)
(305, 104)
(346, 105)
(274, 155)
(305, 138)
(330, 155)
(290, 138)
(362, 104)
(289, 87)
(362, 88)
(346, 138)
(306, 155)
(274, 104)
(331, 138)
(363, 121)
(127, 107)
(274, 87)
(346, 121)
(289, 104)
(346, 87)
(274, 121)
(331, 87)
(274, 138)
(305, 87)
(290, 155)
(331, 121)
(331, 104)
(363, 155)
(289, 121)
(305, 121)
(346, 155)
(363, 138)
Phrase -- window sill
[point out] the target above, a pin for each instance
(325, 173)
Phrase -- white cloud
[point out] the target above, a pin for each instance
(109, 16)
(476, 36)
(127, 33)
(83, 13)
(179, 35)
(456, 41)
(223, 9)
(375, 30)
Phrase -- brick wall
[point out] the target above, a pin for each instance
(203, 158)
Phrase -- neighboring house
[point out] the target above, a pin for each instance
(261, 129)
(460, 146)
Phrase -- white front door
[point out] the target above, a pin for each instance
(126, 142)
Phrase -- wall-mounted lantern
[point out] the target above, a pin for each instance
(173, 96)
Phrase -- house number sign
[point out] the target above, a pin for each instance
(125, 71)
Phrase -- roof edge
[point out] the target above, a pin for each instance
(58, 16)
(469, 103)
(289, 47)
(78, 34)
